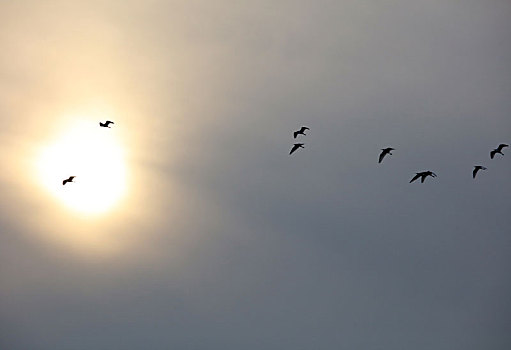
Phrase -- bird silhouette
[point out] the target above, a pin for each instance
(106, 124)
(498, 150)
(423, 175)
(476, 169)
(301, 131)
(69, 179)
(295, 147)
(384, 152)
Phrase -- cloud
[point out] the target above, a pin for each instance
(226, 241)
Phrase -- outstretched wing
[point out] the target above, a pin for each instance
(474, 172)
(295, 147)
(108, 122)
(423, 177)
(492, 153)
(382, 155)
(501, 146)
(295, 134)
(304, 128)
(415, 178)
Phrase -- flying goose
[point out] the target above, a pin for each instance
(295, 147)
(498, 150)
(476, 169)
(69, 179)
(301, 131)
(384, 152)
(106, 124)
(423, 175)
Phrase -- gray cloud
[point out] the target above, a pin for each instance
(227, 241)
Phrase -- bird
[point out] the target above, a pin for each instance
(476, 169)
(69, 179)
(301, 131)
(423, 175)
(106, 124)
(384, 152)
(295, 147)
(498, 150)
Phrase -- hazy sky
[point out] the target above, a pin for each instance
(224, 241)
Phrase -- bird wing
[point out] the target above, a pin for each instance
(415, 178)
(295, 147)
(64, 182)
(304, 128)
(474, 172)
(423, 177)
(382, 155)
(109, 122)
(295, 134)
(501, 146)
(492, 153)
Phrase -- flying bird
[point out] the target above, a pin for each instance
(106, 124)
(498, 150)
(384, 152)
(295, 147)
(476, 169)
(301, 131)
(69, 179)
(423, 175)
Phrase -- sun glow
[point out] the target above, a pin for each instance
(94, 156)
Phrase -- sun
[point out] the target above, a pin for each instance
(94, 156)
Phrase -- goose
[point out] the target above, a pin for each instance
(384, 152)
(423, 175)
(498, 150)
(476, 169)
(106, 124)
(69, 179)
(295, 147)
(301, 131)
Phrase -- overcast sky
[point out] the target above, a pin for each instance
(223, 240)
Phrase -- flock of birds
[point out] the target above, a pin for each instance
(106, 124)
(295, 135)
(384, 151)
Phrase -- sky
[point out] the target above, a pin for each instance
(221, 239)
